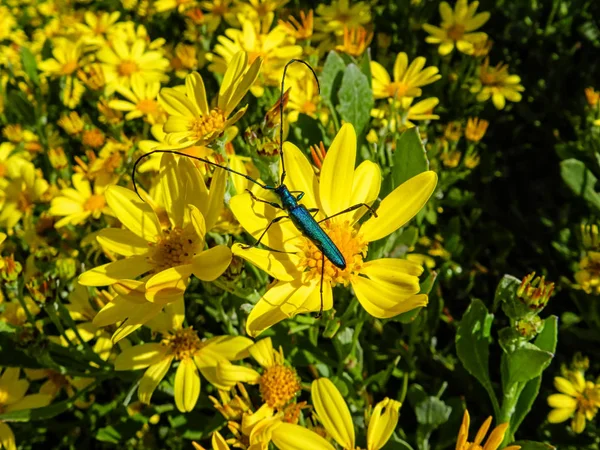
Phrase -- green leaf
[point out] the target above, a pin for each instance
(108, 434)
(331, 76)
(365, 65)
(29, 65)
(526, 363)
(472, 345)
(506, 291)
(546, 340)
(433, 412)
(409, 158)
(580, 180)
(532, 445)
(356, 98)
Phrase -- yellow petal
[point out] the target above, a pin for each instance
(496, 437)
(383, 300)
(300, 175)
(230, 374)
(262, 352)
(243, 86)
(197, 221)
(333, 412)
(140, 356)
(7, 437)
(210, 264)
(168, 285)
(172, 189)
(30, 402)
(196, 91)
(401, 205)
(136, 215)
(400, 273)
(337, 173)
(142, 315)
(110, 273)
(187, 385)
(562, 401)
(282, 266)
(565, 386)
(560, 415)
(283, 300)
(152, 377)
(367, 184)
(122, 242)
(215, 198)
(383, 423)
(288, 436)
(218, 442)
(256, 216)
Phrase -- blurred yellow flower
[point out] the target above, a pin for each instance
(142, 101)
(275, 48)
(80, 203)
(298, 269)
(68, 56)
(457, 28)
(179, 5)
(408, 79)
(497, 83)
(356, 40)
(475, 129)
(303, 97)
(190, 120)
(180, 344)
(19, 195)
(122, 63)
(578, 399)
(300, 29)
(96, 25)
(493, 441)
(13, 398)
(400, 114)
(340, 14)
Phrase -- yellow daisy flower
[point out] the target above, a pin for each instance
(278, 384)
(588, 275)
(497, 83)
(385, 287)
(457, 28)
(163, 239)
(303, 97)
(340, 14)
(78, 204)
(68, 56)
(400, 114)
(190, 120)
(493, 441)
(275, 48)
(335, 416)
(578, 399)
(13, 398)
(408, 79)
(181, 344)
(179, 5)
(475, 129)
(122, 63)
(96, 25)
(19, 195)
(141, 102)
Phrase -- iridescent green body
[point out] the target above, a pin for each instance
(308, 226)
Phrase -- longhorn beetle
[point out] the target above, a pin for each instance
(301, 216)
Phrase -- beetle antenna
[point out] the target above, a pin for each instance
(291, 61)
(206, 161)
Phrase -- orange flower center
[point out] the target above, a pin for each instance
(2, 170)
(184, 343)
(95, 203)
(205, 126)
(175, 248)
(397, 89)
(309, 108)
(456, 32)
(147, 106)
(278, 385)
(349, 242)
(127, 68)
(69, 68)
(588, 400)
(93, 138)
